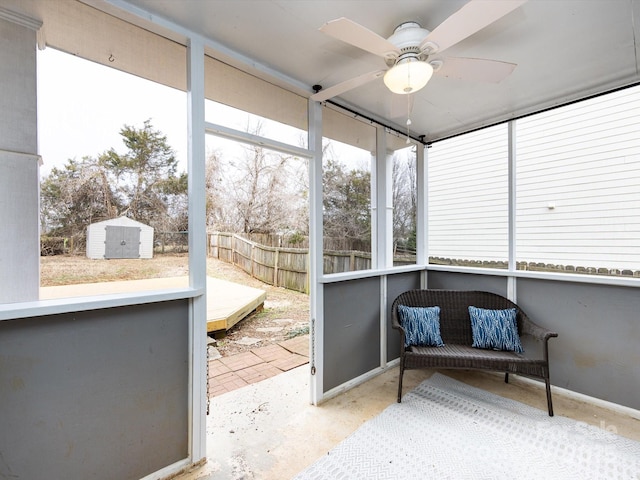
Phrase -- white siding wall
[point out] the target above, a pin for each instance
(583, 159)
(578, 188)
(468, 196)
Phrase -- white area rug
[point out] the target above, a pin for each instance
(447, 429)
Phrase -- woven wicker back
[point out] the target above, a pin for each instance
(455, 325)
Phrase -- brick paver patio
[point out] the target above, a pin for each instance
(229, 373)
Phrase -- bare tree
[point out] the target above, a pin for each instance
(256, 191)
(75, 196)
(346, 200)
(217, 209)
(404, 193)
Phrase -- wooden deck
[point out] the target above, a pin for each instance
(227, 302)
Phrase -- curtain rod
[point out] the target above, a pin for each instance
(419, 139)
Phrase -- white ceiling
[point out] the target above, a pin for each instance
(565, 50)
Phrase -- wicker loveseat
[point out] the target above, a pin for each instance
(456, 334)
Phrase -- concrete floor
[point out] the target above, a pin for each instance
(268, 430)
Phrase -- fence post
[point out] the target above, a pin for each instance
(307, 277)
(275, 268)
(233, 249)
(252, 260)
(352, 261)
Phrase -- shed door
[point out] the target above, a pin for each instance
(122, 242)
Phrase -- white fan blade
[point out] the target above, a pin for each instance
(475, 69)
(355, 34)
(345, 86)
(401, 105)
(471, 18)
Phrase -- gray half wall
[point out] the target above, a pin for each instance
(95, 395)
(397, 284)
(597, 350)
(351, 330)
(467, 281)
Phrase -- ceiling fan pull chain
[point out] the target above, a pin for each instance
(408, 116)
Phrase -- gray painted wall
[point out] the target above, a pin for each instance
(397, 284)
(94, 395)
(467, 281)
(597, 350)
(351, 330)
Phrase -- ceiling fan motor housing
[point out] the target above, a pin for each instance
(408, 37)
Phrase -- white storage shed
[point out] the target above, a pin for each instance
(119, 238)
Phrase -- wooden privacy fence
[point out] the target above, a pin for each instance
(296, 240)
(286, 266)
(282, 267)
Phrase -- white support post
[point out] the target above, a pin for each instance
(382, 226)
(197, 249)
(511, 280)
(384, 321)
(382, 204)
(316, 248)
(422, 211)
(19, 160)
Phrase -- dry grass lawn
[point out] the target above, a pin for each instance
(74, 269)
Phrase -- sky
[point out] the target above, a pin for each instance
(82, 106)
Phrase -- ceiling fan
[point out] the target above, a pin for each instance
(409, 52)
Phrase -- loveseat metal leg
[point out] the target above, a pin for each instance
(549, 404)
(400, 383)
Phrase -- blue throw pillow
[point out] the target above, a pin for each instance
(496, 329)
(421, 326)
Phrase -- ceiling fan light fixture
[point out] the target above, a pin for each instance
(408, 75)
